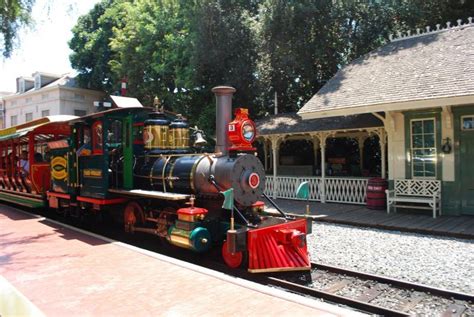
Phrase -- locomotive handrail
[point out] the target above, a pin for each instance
(212, 180)
(276, 206)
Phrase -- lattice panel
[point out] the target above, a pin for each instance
(341, 190)
(417, 187)
(346, 190)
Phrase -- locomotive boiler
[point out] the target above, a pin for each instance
(170, 165)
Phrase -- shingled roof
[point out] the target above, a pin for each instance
(421, 69)
(292, 123)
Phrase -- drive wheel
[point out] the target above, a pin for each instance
(133, 215)
(234, 260)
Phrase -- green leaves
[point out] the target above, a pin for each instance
(179, 49)
(13, 15)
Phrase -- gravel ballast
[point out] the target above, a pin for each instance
(435, 261)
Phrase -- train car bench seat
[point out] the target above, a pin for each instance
(413, 193)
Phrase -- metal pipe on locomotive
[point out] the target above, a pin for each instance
(259, 242)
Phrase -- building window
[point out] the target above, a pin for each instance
(22, 85)
(44, 113)
(80, 113)
(28, 116)
(13, 120)
(38, 81)
(423, 148)
(467, 123)
(79, 97)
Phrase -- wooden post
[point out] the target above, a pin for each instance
(322, 145)
(315, 140)
(275, 143)
(265, 154)
(361, 141)
(383, 143)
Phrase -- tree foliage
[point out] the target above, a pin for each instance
(179, 49)
(13, 15)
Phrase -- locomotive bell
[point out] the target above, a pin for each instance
(200, 141)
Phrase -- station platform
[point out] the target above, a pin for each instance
(48, 268)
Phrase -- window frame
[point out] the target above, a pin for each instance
(26, 116)
(16, 120)
(97, 138)
(412, 148)
(461, 123)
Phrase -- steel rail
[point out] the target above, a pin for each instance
(353, 303)
(396, 282)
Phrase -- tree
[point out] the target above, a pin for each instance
(299, 50)
(222, 52)
(13, 15)
(150, 51)
(91, 44)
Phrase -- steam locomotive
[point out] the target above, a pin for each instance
(138, 166)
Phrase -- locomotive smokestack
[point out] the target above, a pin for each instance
(223, 116)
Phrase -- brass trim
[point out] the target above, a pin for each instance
(170, 175)
(193, 170)
(163, 173)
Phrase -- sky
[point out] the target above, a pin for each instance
(43, 46)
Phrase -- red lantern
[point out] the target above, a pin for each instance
(242, 131)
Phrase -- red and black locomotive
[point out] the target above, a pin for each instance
(139, 166)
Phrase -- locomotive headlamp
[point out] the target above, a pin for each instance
(242, 131)
(248, 131)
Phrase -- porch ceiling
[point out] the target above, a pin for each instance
(291, 123)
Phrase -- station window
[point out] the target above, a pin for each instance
(423, 148)
(28, 116)
(467, 123)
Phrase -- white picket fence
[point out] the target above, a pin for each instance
(337, 189)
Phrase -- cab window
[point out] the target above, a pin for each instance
(97, 140)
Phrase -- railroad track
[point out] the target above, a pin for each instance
(374, 293)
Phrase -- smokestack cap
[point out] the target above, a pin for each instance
(223, 90)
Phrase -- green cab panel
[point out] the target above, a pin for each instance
(93, 176)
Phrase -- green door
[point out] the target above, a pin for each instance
(466, 147)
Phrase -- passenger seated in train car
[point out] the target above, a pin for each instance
(47, 154)
(38, 157)
(86, 147)
(23, 164)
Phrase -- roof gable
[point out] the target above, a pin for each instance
(432, 66)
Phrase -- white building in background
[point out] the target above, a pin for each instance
(2, 107)
(46, 94)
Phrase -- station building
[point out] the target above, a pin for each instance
(414, 96)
